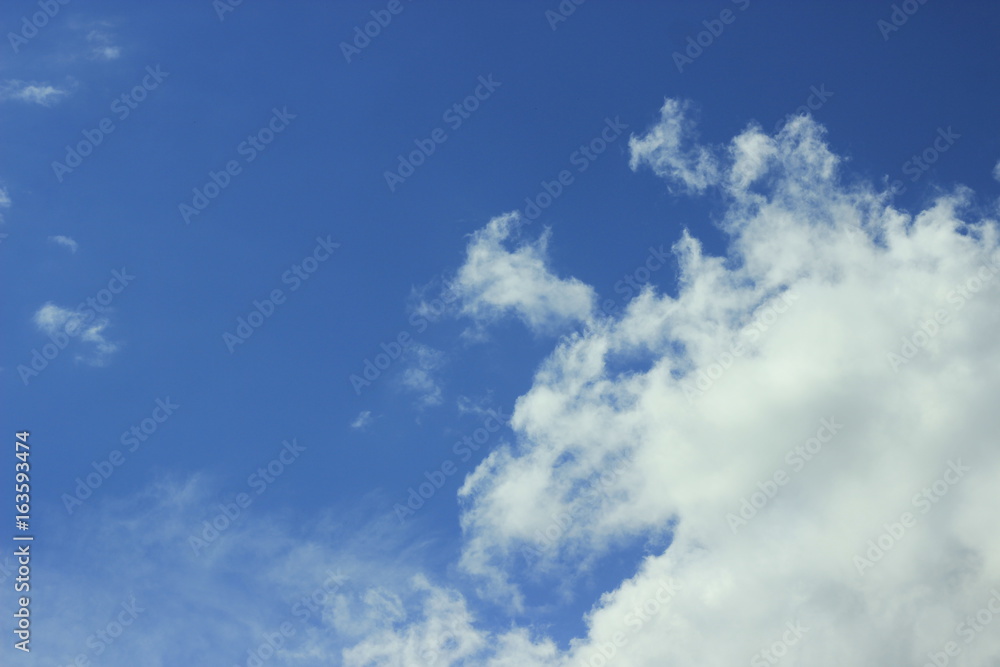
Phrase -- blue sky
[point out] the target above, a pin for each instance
(235, 171)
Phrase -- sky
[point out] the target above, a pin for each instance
(551, 334)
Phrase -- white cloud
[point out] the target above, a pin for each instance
(64, 241)
(865, 376)
(54, 320)
(654, 424)
(494, 281)
(363, 419)
(4, 202)
(101, 45)
(996, 171)
(663, 149)
(35, 93)
(419, 377)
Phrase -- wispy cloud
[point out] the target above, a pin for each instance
(4, 201)
(363, 419)
(419, 376)
(64, 241)
(102, 47)
(54, 320)
(44, 94)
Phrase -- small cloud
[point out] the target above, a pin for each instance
(4, 202)
(667, 149)
(480, 407)
(53, 320)
(101, 46)
(34, 93)
(64, 241)
(996, 171)
(495, 280)
(419, 377)
(363, 419)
